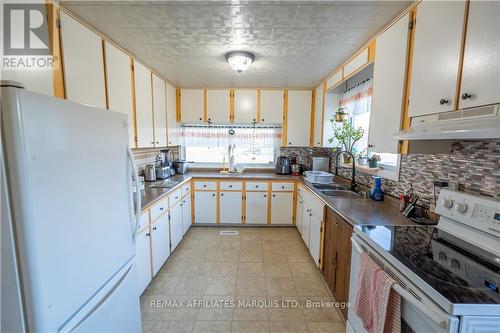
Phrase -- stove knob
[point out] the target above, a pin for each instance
(462, 208)
(448, 203)
(455, 263)
(442, 256)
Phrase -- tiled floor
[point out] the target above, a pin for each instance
(261, 280)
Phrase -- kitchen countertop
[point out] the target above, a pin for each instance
(356, 211)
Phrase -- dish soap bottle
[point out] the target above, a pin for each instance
(376, 192)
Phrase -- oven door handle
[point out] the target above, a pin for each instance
(438, 316)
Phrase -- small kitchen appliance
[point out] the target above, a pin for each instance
(296, 169)
(282, 166)
(150, 173)
(181, 167)
(448, 275)
(164, 168)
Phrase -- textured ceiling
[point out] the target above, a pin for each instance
(296, 43)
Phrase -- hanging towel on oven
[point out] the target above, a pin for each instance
(377, 304)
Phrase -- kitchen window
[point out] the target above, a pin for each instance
(253, 146)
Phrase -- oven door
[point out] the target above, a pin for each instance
(419, 313)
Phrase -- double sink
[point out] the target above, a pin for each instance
(337, 190)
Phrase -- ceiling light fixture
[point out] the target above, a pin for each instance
(240, 60)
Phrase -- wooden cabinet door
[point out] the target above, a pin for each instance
(245, 106)
(143, 258)
(218, 106)
(436, 56)
(143, 106)
(271, 106)
(342, 279)
(299, 117)
(230, 207)
(83, 63)
(119, 84)
(160, 242)
(186, 213)
(192, 108)
(318, 117)
(481, 66)
(315, 237)
(205, 207)
(173, 138)
(176, 225)
(281, 208)
(256, 207)
(388, 87)
(329, 250)
(159, 111)
(300, 209)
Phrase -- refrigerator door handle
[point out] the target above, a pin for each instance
(137, 215)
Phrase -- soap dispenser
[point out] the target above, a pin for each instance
(376, 191)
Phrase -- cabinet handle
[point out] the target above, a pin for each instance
(444, 101)
(204, 185)
(200, 118)
(466, 96)
(265, 195)
(148, 234)
(274, 195)
(283, 186)
(254, 119)
(230, 185)
(256, 186)
(213, 195)
(289, 143)
(157, 142)
(262, 119)
(154, 228)
(161, 208)
(152, 142)
(222, 194)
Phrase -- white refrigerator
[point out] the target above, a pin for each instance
(68, 220)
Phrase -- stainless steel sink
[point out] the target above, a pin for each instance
(341, 193)
(330, 187)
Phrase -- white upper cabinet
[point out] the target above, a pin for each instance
(436, 56)
(119, 84)
(271, 106)
(388, 86)
(159, 112)
(334, 80)
(172, 128)
(245, 106)
(143, 106)
(299, 117)
(218, 105)
(481, 66)
(83, 63)
(192, 105)
(356, 63)
(318, 116)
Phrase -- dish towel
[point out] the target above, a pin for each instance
(377, 304)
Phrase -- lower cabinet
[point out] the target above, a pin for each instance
(256, 207)
(230, 207)
(205, 207)
(310, 222)
(282, 208)
(176, 226)
(315, 237)
(306, 223)
(300, 209)
(337, 256)
(186, 213)
(160, 242)
(143, 258)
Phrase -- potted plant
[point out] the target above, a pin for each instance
(346, 135)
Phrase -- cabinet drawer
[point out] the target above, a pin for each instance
(256, 186)
(230, 186)
(174, 197)
(158, 209)
(144, 221)
(202, 185)
(282, 186)
(186, 189)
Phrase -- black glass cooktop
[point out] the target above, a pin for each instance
(457, 270)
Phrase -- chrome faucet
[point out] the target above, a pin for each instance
(353, 176)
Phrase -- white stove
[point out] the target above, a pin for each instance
(448, 275)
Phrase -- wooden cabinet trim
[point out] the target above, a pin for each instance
(285, 118)
(313, 110)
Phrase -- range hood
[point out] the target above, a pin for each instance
(474, 123)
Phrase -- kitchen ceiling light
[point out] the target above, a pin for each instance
(240, 60)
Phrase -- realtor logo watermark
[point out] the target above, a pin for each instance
(26, 43)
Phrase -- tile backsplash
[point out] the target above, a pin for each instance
(473, 164)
